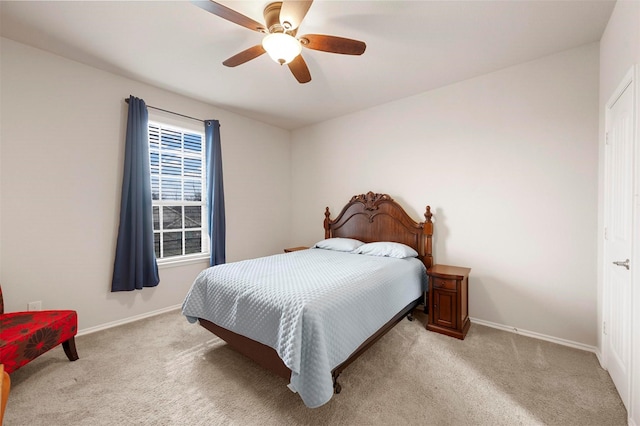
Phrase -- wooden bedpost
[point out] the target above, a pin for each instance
(428, 232)
(327, 221)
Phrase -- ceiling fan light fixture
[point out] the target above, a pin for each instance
(281, 47)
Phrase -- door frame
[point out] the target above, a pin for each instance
(630, 80)
(633, 413)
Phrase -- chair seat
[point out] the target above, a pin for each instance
(26, 335)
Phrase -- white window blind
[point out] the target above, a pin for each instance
(177, 184)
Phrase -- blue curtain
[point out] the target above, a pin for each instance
(215, 192)
(135, 264)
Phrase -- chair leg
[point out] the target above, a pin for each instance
(70, 349)
(5, 387)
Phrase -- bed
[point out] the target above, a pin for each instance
(307, 315)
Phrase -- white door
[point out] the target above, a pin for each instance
(619, 204)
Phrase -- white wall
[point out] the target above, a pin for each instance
(507, 161)
(1, 87)
(62, 145)
(619, 51)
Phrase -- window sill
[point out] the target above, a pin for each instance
(183, 260)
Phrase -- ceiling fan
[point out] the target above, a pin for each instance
(281, 42)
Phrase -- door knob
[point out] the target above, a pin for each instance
(620, 263)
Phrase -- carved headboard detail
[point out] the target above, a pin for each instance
(375, 217)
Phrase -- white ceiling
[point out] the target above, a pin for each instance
(412, 47)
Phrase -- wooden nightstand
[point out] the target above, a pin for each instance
(289, 250)
(448, 300)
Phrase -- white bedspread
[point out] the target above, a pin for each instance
(314, 307)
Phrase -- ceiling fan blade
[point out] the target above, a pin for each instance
(293, 12)
(230, 15)
(244, 56)
(300, 70)
(333, 44)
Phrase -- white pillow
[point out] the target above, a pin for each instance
(339, 244)
(386, 249)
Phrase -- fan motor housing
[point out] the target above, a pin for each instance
(272, 17)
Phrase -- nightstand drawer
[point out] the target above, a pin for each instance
(446, 284)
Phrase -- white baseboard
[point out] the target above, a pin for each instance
(540, 336)
(503, 327)
(600, 358)
(127, 320)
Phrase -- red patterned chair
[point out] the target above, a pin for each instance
(25, 336)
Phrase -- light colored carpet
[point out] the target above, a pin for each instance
(164, 371)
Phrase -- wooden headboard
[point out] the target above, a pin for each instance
(374, 217)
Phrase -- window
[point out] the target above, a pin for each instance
(177, 185)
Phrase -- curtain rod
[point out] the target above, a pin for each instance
(170, 112)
